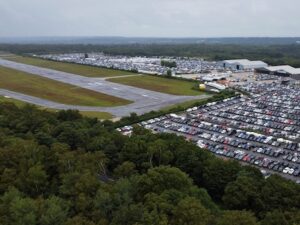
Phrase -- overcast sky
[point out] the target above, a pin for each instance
(150, 18)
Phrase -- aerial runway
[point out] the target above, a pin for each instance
(144, 100)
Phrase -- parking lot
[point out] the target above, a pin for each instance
(263, 130)
(151, 65)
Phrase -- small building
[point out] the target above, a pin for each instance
(242, 64)
(214, 77)
(214, 85)
(283, 71)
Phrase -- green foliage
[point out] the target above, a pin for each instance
(273, 54)
(65, 169)
(226, 171)
(237, 218)
(169, 73)
(189, 211)
(243, 193)
(160, 179)
(278, 217)
(54, 210)
(166, 63)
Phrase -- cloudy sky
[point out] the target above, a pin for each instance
(150, 18)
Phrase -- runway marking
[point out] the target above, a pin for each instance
(95, 84)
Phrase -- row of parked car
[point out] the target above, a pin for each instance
(251, 158)
(262, 130)
(235, 138)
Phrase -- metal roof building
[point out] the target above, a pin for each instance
(243, 64)
(285, 70)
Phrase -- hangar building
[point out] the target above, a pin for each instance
(243, 64)
(284, 71)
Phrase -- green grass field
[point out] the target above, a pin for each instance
(184, 104)
(160, 84)
(99, 115)
(33, 85)
(11, 100)
(83, 70)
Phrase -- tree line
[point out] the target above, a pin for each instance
(272, 54)
(65, 169)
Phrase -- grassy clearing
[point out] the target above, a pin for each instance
(83, 70)
(184, 104)
(98, 115)
(45, 88)
(160, 84)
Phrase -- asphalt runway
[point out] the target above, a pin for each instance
(144, 100)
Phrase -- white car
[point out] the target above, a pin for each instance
(286, 170)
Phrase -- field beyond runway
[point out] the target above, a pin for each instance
(159, 84)
(52, 90)
(83, 70)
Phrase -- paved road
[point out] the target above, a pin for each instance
(144, 100)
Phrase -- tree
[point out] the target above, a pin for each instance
(169, 73)
(44, 139)
(278, 217)
(126, 169)
(69, 115)
(170, 64)
(81, 188)
(128, 215)
(23, 211)
(54, 211)
(7, 179)
(158, 209)
(69, 133)
(217, 174)
(236, 218)
(80, 220)
(160, 179)
(189, 211)
(244, 193)
(159, 153)
(278, 193)
(5, 203)
(36, 180)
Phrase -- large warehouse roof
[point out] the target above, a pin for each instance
(283, 69)
(245, 62)
(241, 61)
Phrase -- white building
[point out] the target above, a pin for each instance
(215, 85)
(285, 71)
(243, 64)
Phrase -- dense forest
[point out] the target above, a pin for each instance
(272, 54)
(64, 169)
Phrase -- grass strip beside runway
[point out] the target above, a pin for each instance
(83, 70)
(55, 91)
(91, 114)
(160, 84)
